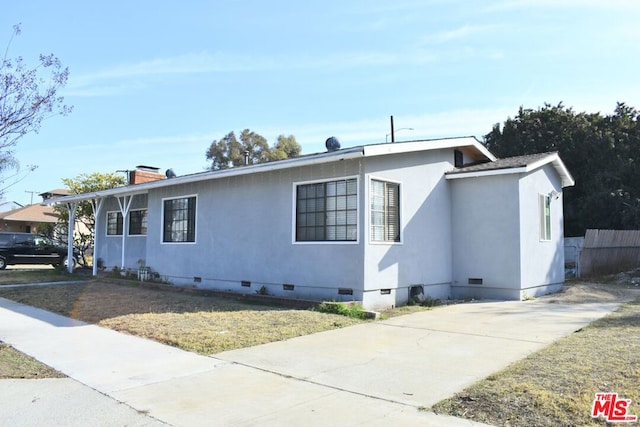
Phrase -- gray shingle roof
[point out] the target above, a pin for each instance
(506, 163)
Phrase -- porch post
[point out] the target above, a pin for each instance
(96, 205)
(125, 205)
(72, 206)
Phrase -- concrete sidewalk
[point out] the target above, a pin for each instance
(379, 373)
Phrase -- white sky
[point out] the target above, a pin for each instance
(154, 82)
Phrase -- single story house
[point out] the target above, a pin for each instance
(27, 219)
(375, 223)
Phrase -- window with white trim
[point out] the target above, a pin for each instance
(545, 217)
(327, 211)
(385, 211)
(179, 220)
(138, 222)
(114, 223)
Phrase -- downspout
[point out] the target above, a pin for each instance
(72, 206)
(125, 205)
(96, 205)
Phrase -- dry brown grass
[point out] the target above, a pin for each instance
(16, 365)
(16, 277)
(202, 324)
(556, 386)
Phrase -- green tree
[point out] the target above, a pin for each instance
(230, 151)
(27, 97)
(286, 148)
(601, 152)
(85, 221)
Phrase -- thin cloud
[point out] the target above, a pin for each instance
(557, 4)
(127, 77)
(460, 33)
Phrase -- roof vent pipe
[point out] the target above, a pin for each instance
(246, 157)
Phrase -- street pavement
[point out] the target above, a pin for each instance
(376, 374)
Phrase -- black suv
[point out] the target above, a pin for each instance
(26, 248)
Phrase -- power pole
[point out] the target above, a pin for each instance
(393, 137)
(32, 193)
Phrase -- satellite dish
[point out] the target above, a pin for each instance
(332, 144)
(170, 173)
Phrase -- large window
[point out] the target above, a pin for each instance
(385, 211)
(114, 223)
(138, 222)
(179, 221)
(327, 211)
(545, 217)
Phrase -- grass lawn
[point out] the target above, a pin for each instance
(202, 324)
(16, 277)
(16, 365)
(556, 386)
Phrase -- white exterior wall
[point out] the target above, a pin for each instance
(486, 242)
(542, 261)
(423, 256)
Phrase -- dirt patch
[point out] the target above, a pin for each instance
(591, 292)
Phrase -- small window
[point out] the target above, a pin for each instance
(385, 211)
(114, 223)
(545, 217)
(327, 211)
(138, 222)
(179, 221)
(458, 158)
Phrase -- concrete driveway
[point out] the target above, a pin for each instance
(378, 374)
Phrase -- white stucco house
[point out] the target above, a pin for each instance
(374, 223)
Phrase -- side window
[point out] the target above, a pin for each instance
(385, 211)
(179, 220)
(138, 222)
(24, 240)
(545, 216)
(114, 223)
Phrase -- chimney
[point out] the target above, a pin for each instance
(143, 174)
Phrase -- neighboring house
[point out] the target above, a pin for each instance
(27, 218)
(375, 223)
(59, 192)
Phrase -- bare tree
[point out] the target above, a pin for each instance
(27, 97)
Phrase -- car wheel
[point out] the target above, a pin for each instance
(3, 263)
(66, 264)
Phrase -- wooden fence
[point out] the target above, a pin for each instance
(609, 252)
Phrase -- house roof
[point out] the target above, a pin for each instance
(472, 147)
(31, 213)
(57, 192)
(519, 164)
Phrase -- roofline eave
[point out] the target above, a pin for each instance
(332, 156)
